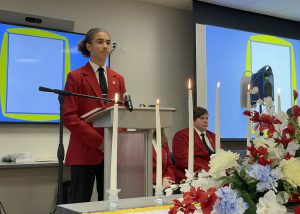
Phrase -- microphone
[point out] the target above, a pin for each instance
(127, 101)
(56, 91)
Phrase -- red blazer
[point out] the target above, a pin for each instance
(85, 139)
(181, 148)
(167, 165)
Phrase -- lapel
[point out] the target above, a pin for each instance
(198, 140)
(111, 83)
(211, 140)
(90, 77)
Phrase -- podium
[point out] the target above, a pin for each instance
(141, 119)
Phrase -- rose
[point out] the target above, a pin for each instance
(290, 169)
(221, 161)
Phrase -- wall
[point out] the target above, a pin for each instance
(157, 63)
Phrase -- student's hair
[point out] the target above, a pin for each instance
(199, 112)
(88, 39)
(164, 139)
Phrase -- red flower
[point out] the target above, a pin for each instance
(296, 110)
(287, 156)
(247, 113)
(263, 161)
(295, 94)
(260, 155)
(206, 199)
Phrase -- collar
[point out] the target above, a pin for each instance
(95, 66)
(199, 132)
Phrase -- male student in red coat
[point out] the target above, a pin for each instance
(202, 151)
(85, 150)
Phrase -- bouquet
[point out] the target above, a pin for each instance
(265, 181)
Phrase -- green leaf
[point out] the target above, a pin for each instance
(251, 204)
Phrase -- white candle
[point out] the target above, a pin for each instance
(114, 147)
(248, 121)
(191, 128)
(217, 119)
(278, 101)
(158, 147)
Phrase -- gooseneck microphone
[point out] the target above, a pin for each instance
(127, 101)
(56, 91)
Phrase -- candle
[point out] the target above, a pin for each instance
(278, 101)
(158, 147)
(217, 119)
(114, 147)
(248, 121)
(191, 128)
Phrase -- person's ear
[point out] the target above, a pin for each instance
(88, 46)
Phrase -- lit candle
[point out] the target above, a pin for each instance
(217, 119)
(248, 121)
(278, 101)
(158, 147)
(114, 147)
(191, 128)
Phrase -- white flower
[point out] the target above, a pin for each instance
(205, 181)
(268, 143)
(169, 191)
(260, 101)
(290, 169)
(220, 161)
(268, 102)
(292, 148)
(269, 205)
(282, 197)
(276, 154)
(185, 187)
(189, 175)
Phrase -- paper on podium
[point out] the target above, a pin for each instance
(85, 116)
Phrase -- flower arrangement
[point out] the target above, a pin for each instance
(265, 181)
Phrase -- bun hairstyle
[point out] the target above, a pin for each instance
(88, 39)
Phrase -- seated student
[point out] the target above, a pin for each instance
(167, 165)
(204, 145)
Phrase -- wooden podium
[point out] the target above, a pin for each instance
(140, 119)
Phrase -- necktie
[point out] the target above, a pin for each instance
(205, 144)
(102, 82)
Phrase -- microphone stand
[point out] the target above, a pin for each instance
(60, 149)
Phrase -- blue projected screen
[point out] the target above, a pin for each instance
(29, 58)
(25, 80)
(224, 55)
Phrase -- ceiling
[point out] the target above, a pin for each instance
(287, 9)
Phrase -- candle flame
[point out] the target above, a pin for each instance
(116, 98)
(218, 84)
(157, 102)
(189, 84)
(248, 87)
(278, 90)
